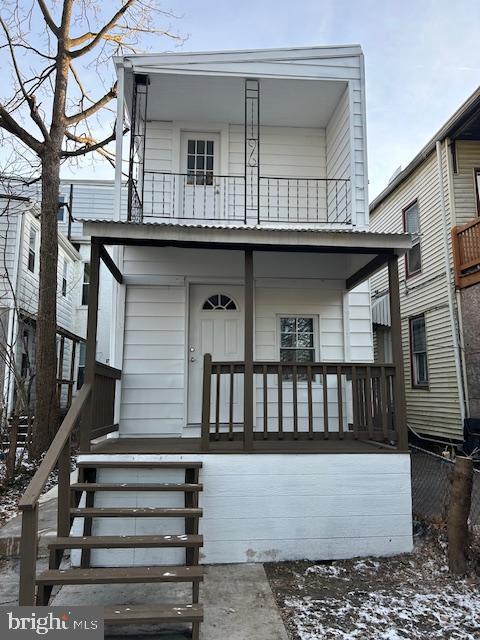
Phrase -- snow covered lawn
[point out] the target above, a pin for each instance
(410, 597)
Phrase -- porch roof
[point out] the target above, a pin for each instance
(258, 237)
(367, 251)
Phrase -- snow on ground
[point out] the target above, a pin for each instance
(410, 597)
(11, 493)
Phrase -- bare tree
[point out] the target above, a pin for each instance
(55, 50)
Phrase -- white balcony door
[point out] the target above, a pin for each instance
(216, 327)
(200, 188)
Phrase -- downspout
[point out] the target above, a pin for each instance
(450, 288)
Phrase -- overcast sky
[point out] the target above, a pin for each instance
(422, 57)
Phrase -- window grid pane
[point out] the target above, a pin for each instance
(200, 161)
(296, 342)
(418, 340)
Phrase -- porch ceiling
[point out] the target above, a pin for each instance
(213, 99)
(347, 255)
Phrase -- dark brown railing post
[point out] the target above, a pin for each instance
(63, 510)
(28, 556)
(397, 349)
(206, 399)
(248, 349)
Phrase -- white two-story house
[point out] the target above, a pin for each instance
(242, 361)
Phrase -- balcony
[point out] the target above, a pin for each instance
(244, 151)
(205, 197)
(466, 253)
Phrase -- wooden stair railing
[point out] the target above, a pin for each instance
(59, 451)
(97, 403)
(466, 253)
(287, 397)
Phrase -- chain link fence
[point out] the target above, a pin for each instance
(431, 487)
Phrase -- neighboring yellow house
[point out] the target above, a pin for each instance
(436, 198)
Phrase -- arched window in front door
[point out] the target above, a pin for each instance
(219, 302)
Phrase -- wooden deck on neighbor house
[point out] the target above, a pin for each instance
(193, 445)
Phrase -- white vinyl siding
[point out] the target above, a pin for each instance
(435, 411)
(153, 361)
(91, 200)
(468, 159)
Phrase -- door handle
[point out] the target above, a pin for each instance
(193, 359)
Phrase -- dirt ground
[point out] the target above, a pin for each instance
(408, 597)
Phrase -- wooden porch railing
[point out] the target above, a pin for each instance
(466, 253)
(97, 402)
(301, 401)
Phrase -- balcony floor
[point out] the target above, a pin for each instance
(193, 445)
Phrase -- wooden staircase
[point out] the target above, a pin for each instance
(190, 572)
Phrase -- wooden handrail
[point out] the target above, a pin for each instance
(39, 480)
(463, 227)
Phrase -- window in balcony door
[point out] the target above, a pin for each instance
(418, 352)
(411, 224)
(477, 188)
(200, 161)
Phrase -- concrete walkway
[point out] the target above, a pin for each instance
(237, 600)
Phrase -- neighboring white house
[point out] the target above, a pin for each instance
(241, 367)
(436, 198)
(20, 240)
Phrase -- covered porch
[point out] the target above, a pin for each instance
(248, 404)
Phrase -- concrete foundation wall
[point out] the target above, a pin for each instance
(266, 507)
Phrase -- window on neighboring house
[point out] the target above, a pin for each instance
(297, 341)
(81, 365)
(477, 189)
(86, 283)
(32, 247)
(411, 224)
(61, 209)
(64, 278)
(418, 351)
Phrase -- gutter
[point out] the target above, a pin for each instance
(454, 321)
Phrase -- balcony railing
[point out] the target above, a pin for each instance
(204, 196)
(466, 253)
(301, 401)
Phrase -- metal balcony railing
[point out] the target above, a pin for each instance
(205, 196)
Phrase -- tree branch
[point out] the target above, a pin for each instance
(28, 97)
(47, 16)
(89, 144)
(12, 126)
(100, 34)
(96, 106)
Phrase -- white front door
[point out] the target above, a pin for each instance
(200, 164)
(216, 327)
